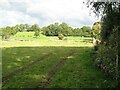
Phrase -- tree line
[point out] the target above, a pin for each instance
(63, 28)
(6, 32)
(55, 29)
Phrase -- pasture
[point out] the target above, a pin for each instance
(51, 63)
(23, 39)
(30, 36)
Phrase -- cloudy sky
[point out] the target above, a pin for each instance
(45, 12)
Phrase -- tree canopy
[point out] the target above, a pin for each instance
(54, 29)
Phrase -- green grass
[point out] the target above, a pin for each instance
(27, 36)
(30, 36)
(36, 72)
(23, 39)
(13, 58)
(78, 70)
(45, 43)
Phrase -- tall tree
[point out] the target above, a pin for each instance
(36, 29)
(86, 31)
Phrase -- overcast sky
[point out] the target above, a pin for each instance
(45, 12)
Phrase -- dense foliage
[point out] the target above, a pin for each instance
(50, 30)
(107, 56)
(56, 29)
(96, 29)
(60, 36)
(6, 32)
(36, 28)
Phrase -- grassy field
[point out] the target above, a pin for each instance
(23, 39)
(48, 62)
(77, 71)
(45, 43)
(30, 36)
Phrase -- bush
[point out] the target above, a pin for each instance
(60, 36)
(36, 33)
(107, 56)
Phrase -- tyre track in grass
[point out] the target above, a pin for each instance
(12, 74)
(56, 68)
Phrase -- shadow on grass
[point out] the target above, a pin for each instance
(80, 64)
(17, 57)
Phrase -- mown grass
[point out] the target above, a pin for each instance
(77, 72)
(46, 43)
(30, 36)
(13, 58)
(23, 39)
(32, 76)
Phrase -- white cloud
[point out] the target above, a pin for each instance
(14, 17)
(45, 12)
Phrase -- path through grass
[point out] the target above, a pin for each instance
(77, 71)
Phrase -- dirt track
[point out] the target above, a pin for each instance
(46, 80)
(12, 74)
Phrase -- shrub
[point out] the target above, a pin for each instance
(36, 33)
(107, 56)
(60, 36)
